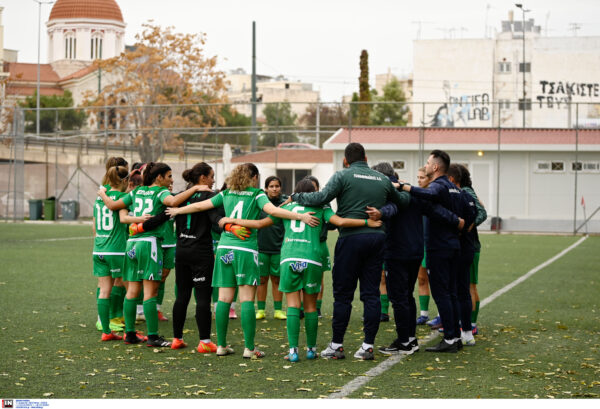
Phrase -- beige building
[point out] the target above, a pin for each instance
(268, 90)
(479, 82)
(78, 32)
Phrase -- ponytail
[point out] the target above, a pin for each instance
(154, 170)
(192, 176)
(116, 177)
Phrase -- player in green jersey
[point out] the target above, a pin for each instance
(143, 264)
(236, 260)
(301, 264)
(269, 248)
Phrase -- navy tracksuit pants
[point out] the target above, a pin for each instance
(400, 283)
(358, 258)
(442, 268)
(463, 289)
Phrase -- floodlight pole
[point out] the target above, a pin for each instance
(37, 111)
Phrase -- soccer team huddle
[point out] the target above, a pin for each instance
(225, 245)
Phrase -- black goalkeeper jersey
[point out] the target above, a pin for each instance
(193, 230)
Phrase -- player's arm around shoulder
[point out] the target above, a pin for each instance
(331, 190)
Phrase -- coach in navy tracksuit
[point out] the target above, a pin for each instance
(403, 255)
(443, 248)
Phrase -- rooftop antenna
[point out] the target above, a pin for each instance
(487, 11)
(419, 24)
(574, 27)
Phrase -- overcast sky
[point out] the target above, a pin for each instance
(316, 41)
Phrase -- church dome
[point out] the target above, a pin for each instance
(90, 9)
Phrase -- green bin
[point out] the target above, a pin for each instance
(35, 209)
(49, 206)
(70, 209)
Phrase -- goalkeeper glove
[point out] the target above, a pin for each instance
(239, 231)
(136, 228)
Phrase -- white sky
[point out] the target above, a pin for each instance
(316, 41)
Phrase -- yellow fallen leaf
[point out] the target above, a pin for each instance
(416, 374)
(270, 379)
(304, 389)
(368, 393)
(48, 394)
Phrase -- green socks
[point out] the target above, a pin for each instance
(129, 310)
(161, 293)
(311, 326)
(293, 326)
(424, 302)
(221, 322)
(277, 305)
(475, 312)
(248, 323)
(261, 305)
(103, 313)
(117, 295)
(319, 304)
(385, 303)
(151, 315)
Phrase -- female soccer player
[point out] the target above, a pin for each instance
(269, 248)
(301, 265)
(423, 279)
(236, 261)
(143, 264)
(109, 248)
(194, 261)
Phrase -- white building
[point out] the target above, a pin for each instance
(479, 82)
(532, 185)
(268, 90)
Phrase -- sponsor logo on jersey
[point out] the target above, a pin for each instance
(199, 279)
(240, 275)
(368, 177)
(299, 266)
(131, 253)
(310, 285)
(227, 258)
(453, 190)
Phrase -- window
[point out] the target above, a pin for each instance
(525, 104)
(96, 48)
(527, 66)
(504, 104)
(587, 167)
(550, 166)
(398, 164)
(70, 47)
(289, 178)
(503, 67)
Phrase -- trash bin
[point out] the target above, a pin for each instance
(497, 223)
(35, 209)
(49, 207)
(70, 209)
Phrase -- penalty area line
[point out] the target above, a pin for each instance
(361, 380)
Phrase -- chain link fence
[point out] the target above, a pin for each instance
(536, 169)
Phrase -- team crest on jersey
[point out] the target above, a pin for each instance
(256, 258)
(299, 266)
(227, 258)
(131, 253)
(100, 257)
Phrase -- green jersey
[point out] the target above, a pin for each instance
(301, 242)
(270, 238)
(111, 234)
(246, 204)
(170, 238)
(148, 200)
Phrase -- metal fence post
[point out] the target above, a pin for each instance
(576, 167)
(498, 225)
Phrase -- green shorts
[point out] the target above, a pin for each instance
(424, 263)
(475, 269)
(235, 267)
(169, 256)
(143, 260)
(299, 275)
(108, 265)
(268, 264)
(325, 256)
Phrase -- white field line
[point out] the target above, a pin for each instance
(361, 380)
(55, 239)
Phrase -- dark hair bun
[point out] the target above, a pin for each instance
(187, 175)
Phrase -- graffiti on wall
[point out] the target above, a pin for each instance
(459, 111)
(558, 94)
